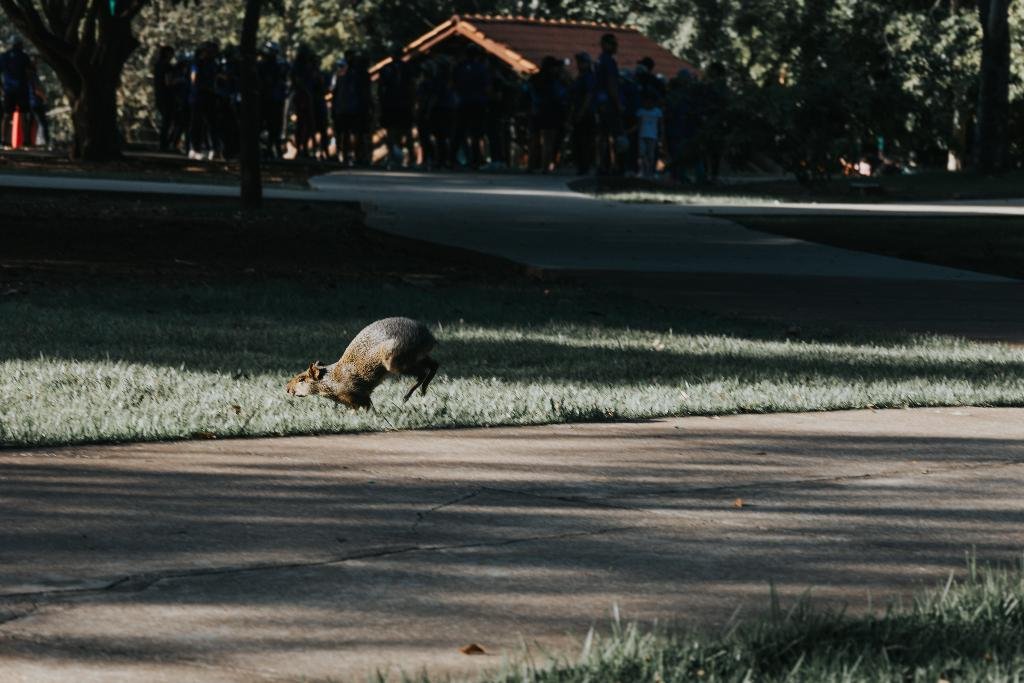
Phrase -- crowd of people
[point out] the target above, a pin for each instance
(439, 111)
(449, 111)
(21, 94)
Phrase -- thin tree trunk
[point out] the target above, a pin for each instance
(990, 149)
(249, 153)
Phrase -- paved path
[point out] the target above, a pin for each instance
(538, 221)
(309, 558)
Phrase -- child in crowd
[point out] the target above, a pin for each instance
(650, 127)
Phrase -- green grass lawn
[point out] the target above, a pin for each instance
(967, 630)
(97, 363)
(922, 186)
(987, 244)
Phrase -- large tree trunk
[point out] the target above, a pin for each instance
(249, 152)
(94, 117)
(990, 148)
(87, 43)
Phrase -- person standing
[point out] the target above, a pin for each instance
(473, 87)
(304, 72)
(15, 78)
(396, 97)
(163, 93)
(609, 105)
(584, 122)
(273, 74)
(38, 103)
(649, 133)
(203, 103)
(550, 103)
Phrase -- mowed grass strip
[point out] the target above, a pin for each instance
(966, 630)
(126, 363)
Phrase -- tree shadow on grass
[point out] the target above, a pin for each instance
(483, 332)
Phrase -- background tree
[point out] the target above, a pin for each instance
(993, 86)
(86, 43)
(249, 151)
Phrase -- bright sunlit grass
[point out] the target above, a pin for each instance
(145, 363)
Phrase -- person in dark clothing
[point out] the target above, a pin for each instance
(359, 73)
(627, 143)
(437, 110)
(351, 109)
(163, 93)
(304, 76)
(229, 100)
(38, 103)
(714, 130)
(396, 97)
(15, 79)
(609, 105)
(550, 104)
(180, 92)
(501, 109)
(472, 79)
(203, 137)
(648, 81)
(682, 125)
(584, 114)
(273, 75)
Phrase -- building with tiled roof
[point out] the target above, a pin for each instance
(522, 43)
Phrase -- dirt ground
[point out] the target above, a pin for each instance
(54, 236)
(165, 167)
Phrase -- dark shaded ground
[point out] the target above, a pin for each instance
(984, 244)
(987, 311)
(164, 167)
(50, 236)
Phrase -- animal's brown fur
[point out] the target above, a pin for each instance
(398, 346)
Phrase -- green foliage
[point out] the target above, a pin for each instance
(809, 81)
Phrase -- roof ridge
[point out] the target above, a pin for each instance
(579, 23)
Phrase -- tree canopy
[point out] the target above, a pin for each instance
(807, 80)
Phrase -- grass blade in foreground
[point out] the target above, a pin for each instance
(969, 630)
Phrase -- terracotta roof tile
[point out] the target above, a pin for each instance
(524, 42)
(535, 39)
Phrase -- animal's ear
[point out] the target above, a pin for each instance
(315, 370)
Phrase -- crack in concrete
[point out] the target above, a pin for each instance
(420, 516)
(135, 583)
(17, 613)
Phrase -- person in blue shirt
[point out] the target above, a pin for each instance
(16, 81)
(609, 105)
(584, 110)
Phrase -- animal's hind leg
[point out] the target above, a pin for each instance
(425, 371)
(431, 366)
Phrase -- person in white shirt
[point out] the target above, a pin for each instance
(650, 131)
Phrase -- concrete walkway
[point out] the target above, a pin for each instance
(538, 221)
(316, 558)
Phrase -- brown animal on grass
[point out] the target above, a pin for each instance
(398, 346)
